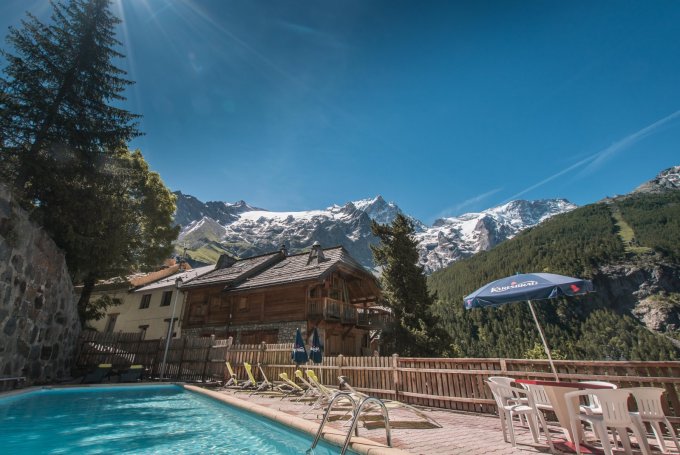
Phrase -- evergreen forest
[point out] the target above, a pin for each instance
(638, 228)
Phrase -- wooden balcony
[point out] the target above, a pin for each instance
(327, 309)
(368, 318)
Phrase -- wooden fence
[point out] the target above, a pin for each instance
(443, 383)
(188, 359)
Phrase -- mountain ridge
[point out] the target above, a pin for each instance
(243, 230)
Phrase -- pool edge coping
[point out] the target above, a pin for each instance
(331, 435)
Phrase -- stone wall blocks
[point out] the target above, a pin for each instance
(35, 352)
(5, 252)
(10, 326)
(18, 263)
(39, 324)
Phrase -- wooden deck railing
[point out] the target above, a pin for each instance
(372, 319)
(442, 383)
(332, 310)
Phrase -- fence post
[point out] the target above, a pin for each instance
(181, 359)
(260, 355)
(504, 367)
(227, 352)
(339, 366)
(395, 375)
(207, 357)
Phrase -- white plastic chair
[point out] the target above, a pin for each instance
(506, 397)
(506, 381)
(593, 406)
(539, 400)
(648, 401)
(614, 406)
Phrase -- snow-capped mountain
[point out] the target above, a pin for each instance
(454, 238)
(243, 231)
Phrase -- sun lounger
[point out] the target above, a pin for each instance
(293, 388)
(251, 384)
(102, 371)
(132, 374)
(233, 381)
(390, 404)
(326, 394)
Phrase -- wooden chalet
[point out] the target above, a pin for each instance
(266, 297)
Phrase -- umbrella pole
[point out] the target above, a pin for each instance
(545, 344)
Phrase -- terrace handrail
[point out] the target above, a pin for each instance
(332, 309)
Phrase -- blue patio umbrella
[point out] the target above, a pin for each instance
(316, 352)
(299, 354)
(528, 286)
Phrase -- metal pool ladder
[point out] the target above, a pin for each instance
(356, 411)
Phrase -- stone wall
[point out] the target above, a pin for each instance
(39, 323)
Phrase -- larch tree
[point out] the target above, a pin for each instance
(63, 144)
(415, 330)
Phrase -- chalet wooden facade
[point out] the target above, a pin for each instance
(265, 298)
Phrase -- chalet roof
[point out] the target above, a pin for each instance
(299, 267)
(170, 280)
(239, 270)
(140, 279)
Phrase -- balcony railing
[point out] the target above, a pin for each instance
(335, 310)
(372, 319)
(332, 310)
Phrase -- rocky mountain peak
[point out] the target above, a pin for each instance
(667, 180)
(453, 238)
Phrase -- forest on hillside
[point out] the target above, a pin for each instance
(577, 244)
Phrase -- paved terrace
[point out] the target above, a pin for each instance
(461, 433)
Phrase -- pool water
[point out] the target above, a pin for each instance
(156, 419)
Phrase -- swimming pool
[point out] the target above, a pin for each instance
(155, 419)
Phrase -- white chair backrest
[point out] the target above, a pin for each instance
(648, 401)
(594, 403)
(614, 406)
(498, 393)
(537, 394)
(504, 394)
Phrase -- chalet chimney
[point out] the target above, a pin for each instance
(316, 253)
(283, 249)
(225, 261)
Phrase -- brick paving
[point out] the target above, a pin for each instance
(461, 432)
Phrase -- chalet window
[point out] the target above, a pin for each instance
(167, 298)
(243, 304)
(146, 300)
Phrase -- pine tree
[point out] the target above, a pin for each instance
(56, 100)
(64, 146)
(415, 330)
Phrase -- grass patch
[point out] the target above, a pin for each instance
(627, 234)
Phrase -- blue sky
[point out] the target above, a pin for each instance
(442, 107)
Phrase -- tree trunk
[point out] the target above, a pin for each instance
(84, 300)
